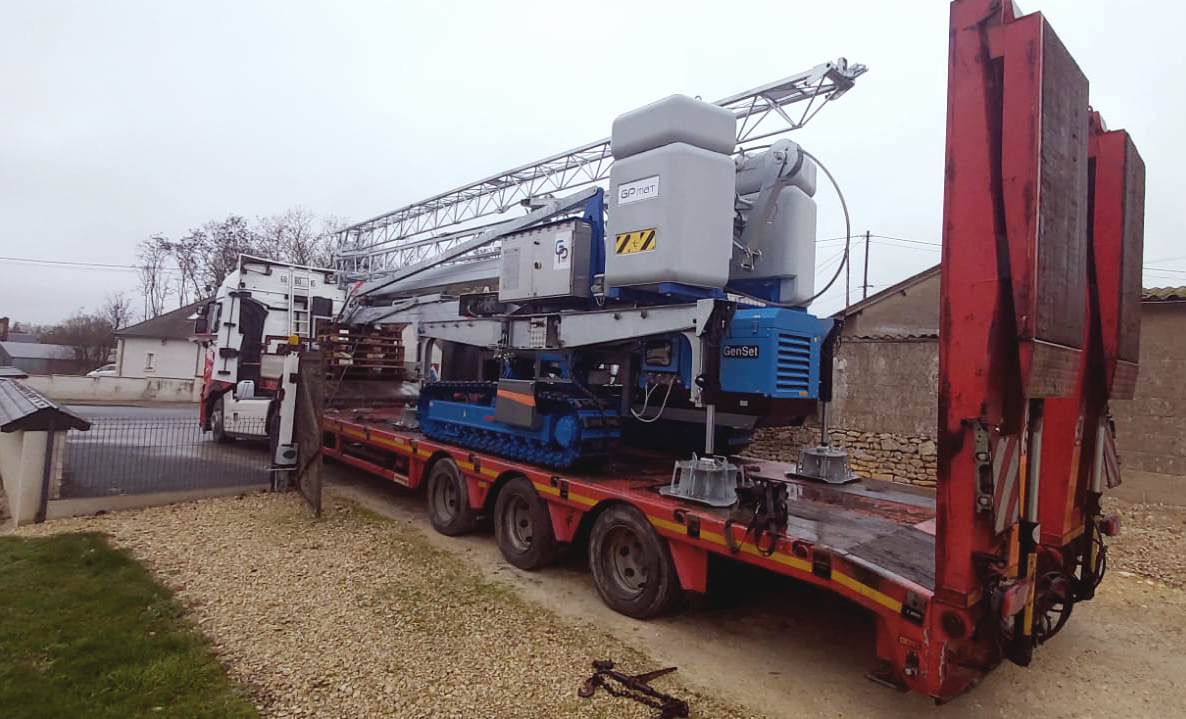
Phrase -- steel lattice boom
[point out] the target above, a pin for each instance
(414, 233)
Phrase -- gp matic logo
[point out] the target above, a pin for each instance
(639, 190)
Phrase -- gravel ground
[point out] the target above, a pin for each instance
(358, 616)
(1151, 544)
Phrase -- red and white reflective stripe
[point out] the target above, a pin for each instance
(1111, 459)
(1006, 462)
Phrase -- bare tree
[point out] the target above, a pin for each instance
(187, 255)
(331, 225)
(293, 236)
(289, 236)
(117, 311)
(89, 336)
(154, 275)
(219, 244)
(192, 267)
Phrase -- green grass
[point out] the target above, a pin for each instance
(85, 631)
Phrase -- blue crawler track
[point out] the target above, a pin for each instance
(571, 429)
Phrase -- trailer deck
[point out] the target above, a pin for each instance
(870, 541)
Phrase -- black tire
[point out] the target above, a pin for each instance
(523, 526)
(448, 499)
(272, 426)
(218, 420)
(632, 565)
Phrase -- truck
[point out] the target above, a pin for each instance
(261, 309)
(587, 373)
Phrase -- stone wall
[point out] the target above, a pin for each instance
(1151, 427)
(909, 459)
(887, 386)
(884, 412)
(885, 407)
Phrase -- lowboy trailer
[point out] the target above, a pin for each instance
(1039, 329)
(872, 542)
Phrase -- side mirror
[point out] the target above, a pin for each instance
(202, 322)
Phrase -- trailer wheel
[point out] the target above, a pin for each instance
(218, 421)
(523, 526)
(632, 565)
(448, 500)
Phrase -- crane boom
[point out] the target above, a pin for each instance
(412, 234)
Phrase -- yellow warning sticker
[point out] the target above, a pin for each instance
(639, 241)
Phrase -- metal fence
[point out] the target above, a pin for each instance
(128, 455)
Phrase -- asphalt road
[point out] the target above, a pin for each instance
(134, 450)
(140, 413)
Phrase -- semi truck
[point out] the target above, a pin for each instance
(586, 369)
(261, 309)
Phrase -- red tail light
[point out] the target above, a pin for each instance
(1109, 525)
(1015, 596)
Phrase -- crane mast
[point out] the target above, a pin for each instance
(651, 278)
(423, 230)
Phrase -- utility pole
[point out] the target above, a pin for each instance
(865, 282)
(847, 274)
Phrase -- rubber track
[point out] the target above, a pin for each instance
(533, 451)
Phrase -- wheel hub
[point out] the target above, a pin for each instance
(445, 500)
(519, 525)
(626, 560)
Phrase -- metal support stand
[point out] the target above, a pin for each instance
(710, 429)
(1022, 650)
(823, 462)
(823, 420)
(46, 471)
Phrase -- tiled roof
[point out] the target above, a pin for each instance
(22, 408)
(1163, 294)
(900, 286)
(33, 350)
(175, 325)
(919, 337)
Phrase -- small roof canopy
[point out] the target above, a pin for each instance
(25, 409)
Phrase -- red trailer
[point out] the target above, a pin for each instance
(1042, 244)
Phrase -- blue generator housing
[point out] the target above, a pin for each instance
(773, 352)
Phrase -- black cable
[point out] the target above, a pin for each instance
(847, 245)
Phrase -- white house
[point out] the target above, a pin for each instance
(160, 347)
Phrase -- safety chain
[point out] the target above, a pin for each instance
(637, 687)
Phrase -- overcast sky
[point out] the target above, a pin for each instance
(124, 119)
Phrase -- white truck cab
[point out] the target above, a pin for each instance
(260, 312)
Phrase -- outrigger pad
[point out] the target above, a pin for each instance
(828, 464)
(708, 480)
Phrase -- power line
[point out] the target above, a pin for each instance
(884, 243)
(823, 265)
(907, 240)
(75, 264)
